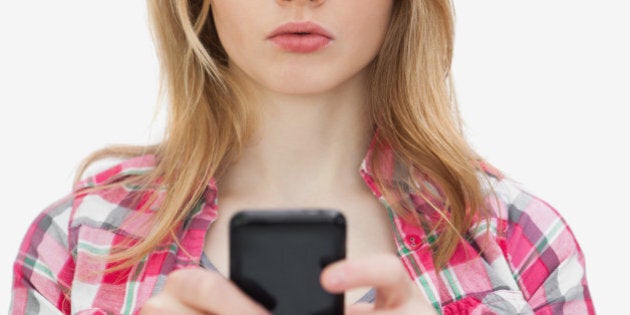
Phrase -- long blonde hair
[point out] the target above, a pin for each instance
(411, 104)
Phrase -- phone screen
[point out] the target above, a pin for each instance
(277, 257)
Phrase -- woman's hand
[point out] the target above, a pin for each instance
(395, 292)
(198, 291)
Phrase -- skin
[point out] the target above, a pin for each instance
(310, 138)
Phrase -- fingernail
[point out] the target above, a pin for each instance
(336, 277)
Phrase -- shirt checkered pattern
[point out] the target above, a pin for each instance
(524, 260)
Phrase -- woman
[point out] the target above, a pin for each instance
(276, 104)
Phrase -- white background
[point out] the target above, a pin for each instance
(543, 88)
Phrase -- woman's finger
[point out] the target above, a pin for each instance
(210, 292)
(383, 272)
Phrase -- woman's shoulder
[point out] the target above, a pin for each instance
(529, 229)
(102, 211)
(108, 200)
(531, 244)
(509, 200)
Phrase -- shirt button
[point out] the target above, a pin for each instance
(412, 241)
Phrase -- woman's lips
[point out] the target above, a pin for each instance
(301, 43)
(300, 37)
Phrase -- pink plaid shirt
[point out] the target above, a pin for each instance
(528, 263)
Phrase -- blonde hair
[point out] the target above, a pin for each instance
(412, 107)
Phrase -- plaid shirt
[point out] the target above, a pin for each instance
(528, 263)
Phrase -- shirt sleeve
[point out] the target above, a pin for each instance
(43, 269)
(545, 258)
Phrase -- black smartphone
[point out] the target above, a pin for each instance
(277, 256)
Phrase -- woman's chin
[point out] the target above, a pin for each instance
(301, 86)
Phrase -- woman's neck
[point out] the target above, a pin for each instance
(304, 148)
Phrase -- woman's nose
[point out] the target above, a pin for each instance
(301, 2)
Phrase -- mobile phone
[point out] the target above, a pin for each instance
(276, 257)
